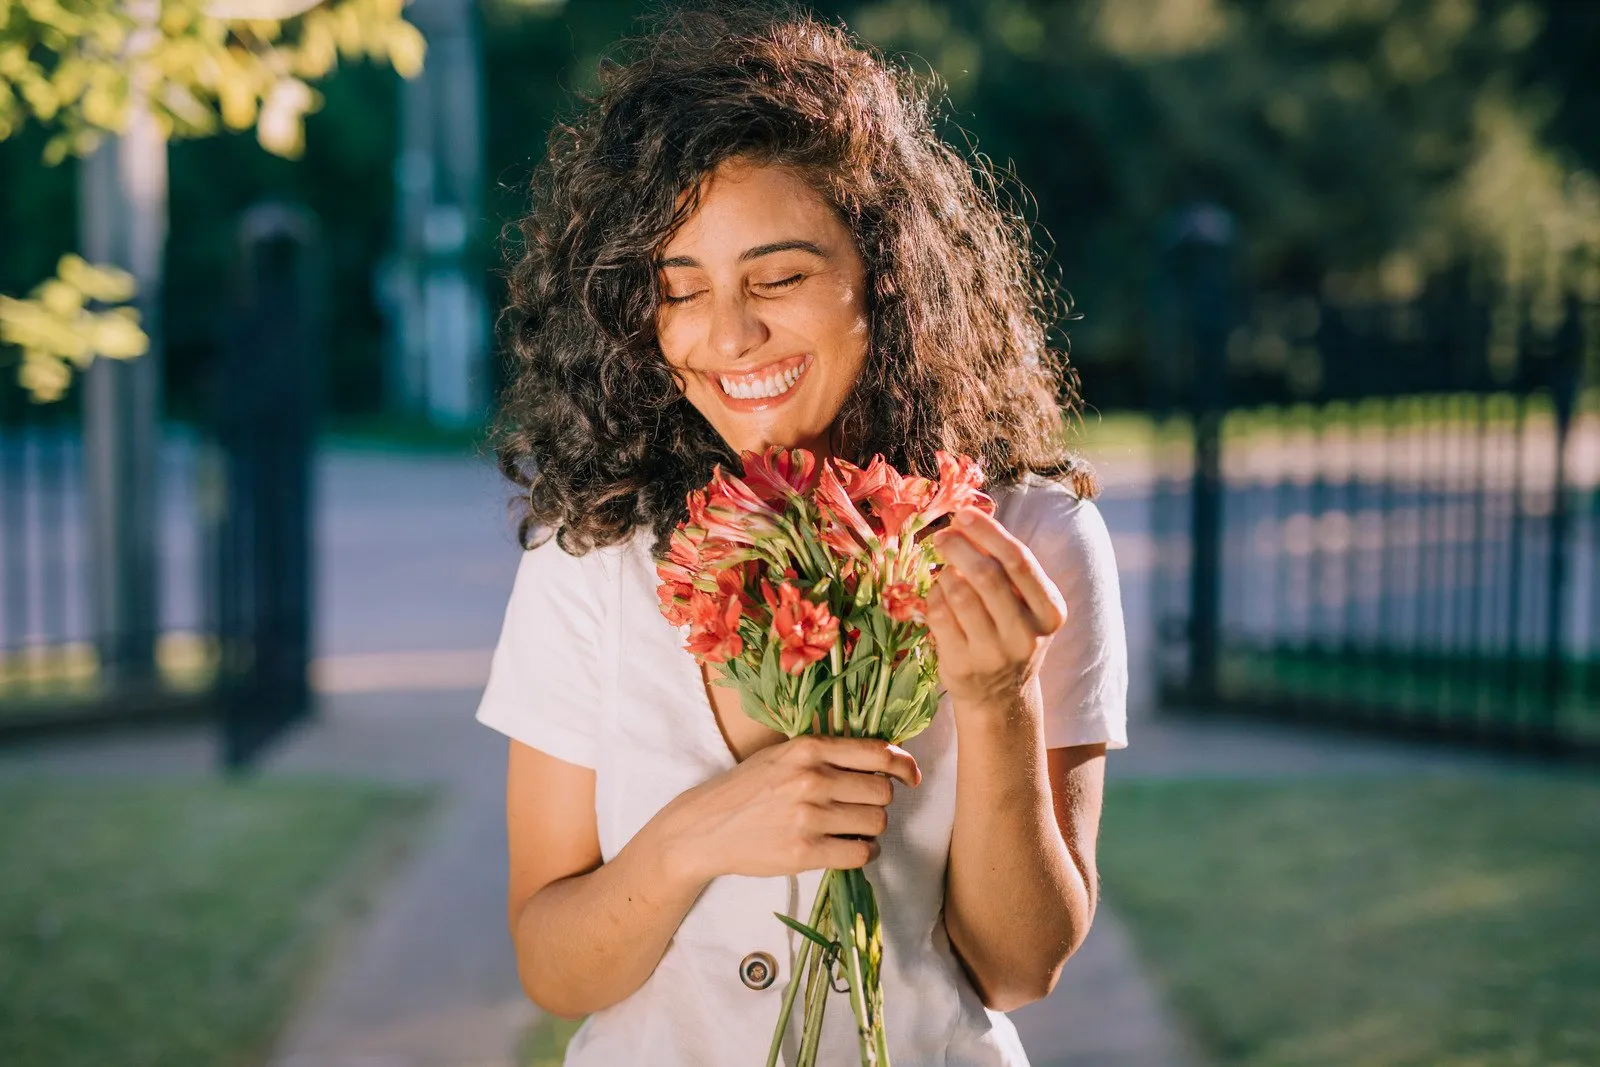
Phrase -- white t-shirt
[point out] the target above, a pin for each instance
(589, 671)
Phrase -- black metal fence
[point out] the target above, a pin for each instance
(1381, 513)
(226, 636)
(266, 405)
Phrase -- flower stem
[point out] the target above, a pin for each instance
(818, 981)
(848, 912)
(880, 693)
(836, 661)
(806, 682)
(807, 947)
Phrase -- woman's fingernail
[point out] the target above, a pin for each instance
(963, 517)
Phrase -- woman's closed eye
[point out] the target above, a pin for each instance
(782, 283)
(777, 286)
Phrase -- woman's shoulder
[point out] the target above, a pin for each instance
(571, 585)
(1038, 502)
(549, 559)
(1052, 519)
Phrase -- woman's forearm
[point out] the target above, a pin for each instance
(587, 941)
(1016, 904)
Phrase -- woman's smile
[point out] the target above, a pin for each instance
(766, 386)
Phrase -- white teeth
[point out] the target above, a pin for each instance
(764, 388)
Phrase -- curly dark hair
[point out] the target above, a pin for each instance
(594, 426)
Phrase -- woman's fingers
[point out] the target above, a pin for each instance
(968, 604)
(858, 787)
(860, 754)
(843, 853)
(1008, 616)
(984, 534)
(865, 820)
(947, 631)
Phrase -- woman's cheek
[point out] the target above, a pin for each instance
(669, 335)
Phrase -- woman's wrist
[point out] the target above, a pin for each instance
(676, 854)
(1002, 717)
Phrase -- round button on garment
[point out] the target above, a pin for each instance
(758, 969)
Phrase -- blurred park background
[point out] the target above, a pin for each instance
(1337, 264)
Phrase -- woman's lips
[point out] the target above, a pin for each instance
(770, 376)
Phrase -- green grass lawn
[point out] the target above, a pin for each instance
(170, 924)
(404, 434)
(1372, 923)
(546, 1043)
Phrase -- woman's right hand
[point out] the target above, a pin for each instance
(783, 809)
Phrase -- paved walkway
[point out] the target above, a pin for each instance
(430, 980)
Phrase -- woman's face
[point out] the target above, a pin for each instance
(763, 308)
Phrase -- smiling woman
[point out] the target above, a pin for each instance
(752, 237)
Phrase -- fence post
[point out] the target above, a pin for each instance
(1565, 371)
(268, 400)
(1200, 255)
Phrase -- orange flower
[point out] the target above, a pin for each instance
(899, 504)
(845, 529)
(959, 479)
(907, 503)
(780, 473)
(674, 600)
(806, 630)
(677, 573)
(714, 628)
(730, 510)
(733, 584)
(902, 604)
(861, 484)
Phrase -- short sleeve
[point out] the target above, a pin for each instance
(1084, 676)
(544, 680)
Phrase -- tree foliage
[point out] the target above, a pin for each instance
(82, 67)
(1360, 144)
(57, 329)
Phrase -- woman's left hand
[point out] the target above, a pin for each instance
(992, 611)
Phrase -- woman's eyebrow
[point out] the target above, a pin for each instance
(793, 245)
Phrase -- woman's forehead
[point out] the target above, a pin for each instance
(746, 207)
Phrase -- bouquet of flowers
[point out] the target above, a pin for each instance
(805, 584)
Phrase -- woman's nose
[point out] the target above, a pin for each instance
(736, 327)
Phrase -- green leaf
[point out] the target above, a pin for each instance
(858, 666)
(758, 710)
(903, 682)
(771, 670)
(878, 626)
(866, 647)
(801, 928)
(819, 694)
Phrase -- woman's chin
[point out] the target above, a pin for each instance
(788, 439)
